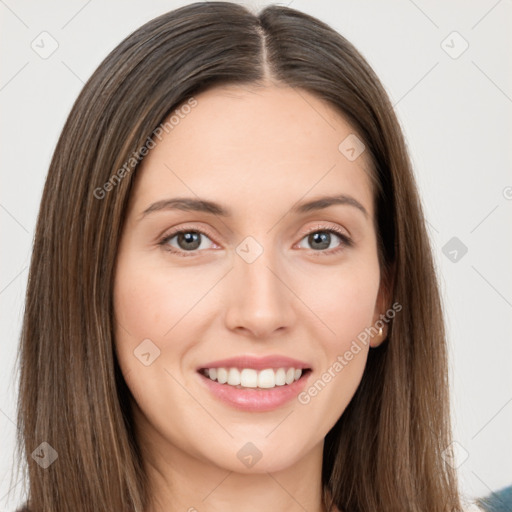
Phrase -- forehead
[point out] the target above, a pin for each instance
(252, 145)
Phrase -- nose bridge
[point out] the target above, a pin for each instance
(259, 300)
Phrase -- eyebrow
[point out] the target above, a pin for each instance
(202, 205)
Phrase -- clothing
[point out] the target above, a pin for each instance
(499, 501)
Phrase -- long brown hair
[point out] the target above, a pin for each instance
(386, 451)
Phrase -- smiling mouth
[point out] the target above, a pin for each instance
(249, 378)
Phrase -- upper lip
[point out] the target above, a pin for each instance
(257, 363)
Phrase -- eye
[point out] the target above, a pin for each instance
(187, 241)
(320, 239)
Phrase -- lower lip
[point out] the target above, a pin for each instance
(256, 399)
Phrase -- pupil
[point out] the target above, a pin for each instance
(191, 240)
(322, 238)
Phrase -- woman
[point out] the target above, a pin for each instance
(186, 344)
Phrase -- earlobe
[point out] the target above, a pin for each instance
(381, 335)
(381, 319)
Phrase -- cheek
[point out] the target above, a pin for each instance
(345, 299)
(347, 304)
(154, 306)
(352, 306)
(148, 309)
(142, 305)
(345, 354)
(149, 299)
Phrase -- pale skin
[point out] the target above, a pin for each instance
(256, 151)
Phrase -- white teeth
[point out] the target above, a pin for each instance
(233, 377)
(222, 375)
(250, 378)
(267, 379)
(280, 377)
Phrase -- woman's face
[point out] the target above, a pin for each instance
(254, 292)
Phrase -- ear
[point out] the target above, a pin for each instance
(382, 304)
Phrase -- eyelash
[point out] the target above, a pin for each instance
(345, 241)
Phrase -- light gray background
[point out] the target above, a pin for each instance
(456, 114)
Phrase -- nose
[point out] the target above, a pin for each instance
(260, 301)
